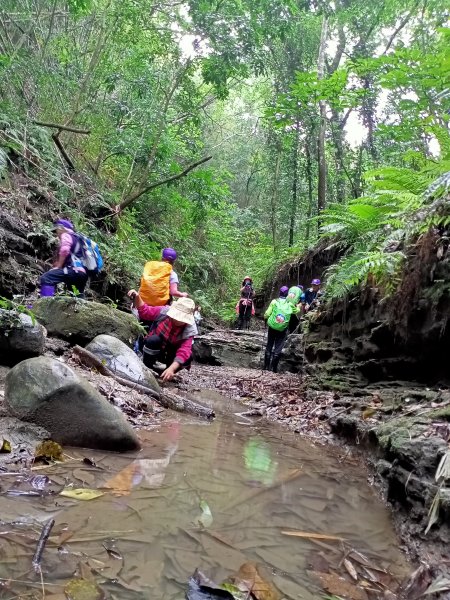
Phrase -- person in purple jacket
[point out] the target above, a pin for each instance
(67, 267)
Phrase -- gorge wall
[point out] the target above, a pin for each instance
(367, 338)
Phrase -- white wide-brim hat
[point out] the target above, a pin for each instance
(183, 310)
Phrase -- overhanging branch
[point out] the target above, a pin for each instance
(127, 201)
(63, 127)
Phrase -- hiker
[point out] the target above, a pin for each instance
(245, 307)
(313, 296)
(159, 282)
(277, 316)
(68, 267)
(170, 336)
(295, 296)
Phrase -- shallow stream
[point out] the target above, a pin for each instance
(211, 496)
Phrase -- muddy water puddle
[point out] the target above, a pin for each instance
(208, 496)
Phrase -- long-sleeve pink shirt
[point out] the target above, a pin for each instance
(65, 245)
(179, 336)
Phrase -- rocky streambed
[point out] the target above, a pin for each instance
(401, 429)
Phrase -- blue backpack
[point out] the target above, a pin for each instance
(85, 252)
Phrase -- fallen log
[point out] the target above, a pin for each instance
(166, 398)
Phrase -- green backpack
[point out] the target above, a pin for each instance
(294, 295)
(281, 313)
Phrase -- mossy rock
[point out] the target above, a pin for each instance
(393, 433)
(440, 413)
(79, 321)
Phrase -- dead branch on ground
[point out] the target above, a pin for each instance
(165, 398)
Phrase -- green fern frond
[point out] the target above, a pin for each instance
(354, 270)
(396, 178)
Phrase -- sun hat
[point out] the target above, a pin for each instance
(169, 254)
(284, 291)
(247, 277)
(183, 310)
(315, 282)
(64, 223)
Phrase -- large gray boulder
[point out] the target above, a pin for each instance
(46, 392)
(80, 321)
(118, 357)
(20, 337)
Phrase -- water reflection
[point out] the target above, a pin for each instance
(257, 483)
(147, 472)
(260, 466)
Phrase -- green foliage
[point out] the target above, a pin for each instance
(356, 268)
(161, 85)
(371, 229)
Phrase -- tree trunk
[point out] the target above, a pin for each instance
(274, 198)
(337, 133)
(309, 178)
(321, 159)
(294, 198)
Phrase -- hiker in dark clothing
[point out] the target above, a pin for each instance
(278, 316)
(245, 304)
(68, 267)
(313, 295)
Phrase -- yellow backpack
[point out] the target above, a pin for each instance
(155, 283)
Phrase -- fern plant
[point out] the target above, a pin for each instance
(374, 229)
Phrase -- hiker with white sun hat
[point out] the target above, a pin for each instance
(171, 334)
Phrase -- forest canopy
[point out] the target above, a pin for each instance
(237, 131)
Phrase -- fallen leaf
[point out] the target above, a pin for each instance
(49, 450)
(206, 518)
(369, 412)
(81, 493)
(6, 446)
(112, 550)
(123, 481)
(314, 536)
(84, 475)
(333, 583)
(417, 583)
(441, 584)
(81, 589)
(201, 588)
(318, 562)
(249, 579)
(350, 569)
(360, 558)
(65, 535)
(84, 572)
